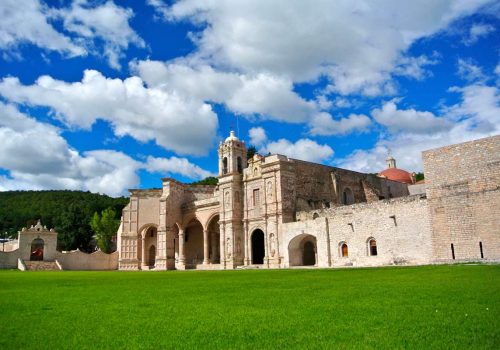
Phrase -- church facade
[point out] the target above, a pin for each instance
(278, 212)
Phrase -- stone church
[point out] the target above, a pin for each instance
(277, 212)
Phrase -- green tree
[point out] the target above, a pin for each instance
(105, 227)
(207, 181)
(251, 151)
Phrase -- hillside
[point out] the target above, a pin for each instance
(69, 212)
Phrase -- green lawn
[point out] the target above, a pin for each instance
(433, 307)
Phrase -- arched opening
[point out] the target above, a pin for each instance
(258, 249)
(344, 250)
(224, 165)
(315, 216)
(302, 251)
(193, 243)
(240, 165)
(347, 196)
(214, 240)
(309, 254)
(372, 247)
(37, 249)
(152, 256)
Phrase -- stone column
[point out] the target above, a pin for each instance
(143, 260)
(245, 245)
(205, 247)
(182, 259)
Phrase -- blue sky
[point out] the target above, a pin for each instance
(110, 95)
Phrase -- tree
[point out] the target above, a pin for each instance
(207, 181)
(251, 151)
(105, 227)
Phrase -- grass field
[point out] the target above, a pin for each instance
(434, 307)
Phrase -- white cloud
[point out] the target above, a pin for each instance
(324, 124)
(478, 31)
(303, 149)
(267, 95)
(86, 27)
(409, 120)
(476, 116)
(348, 42)
(175, 165)
(469, 71)
(107, 22)
(26, 22)
(177, 123)
(414, 67)
(257, 136)
(38, 157)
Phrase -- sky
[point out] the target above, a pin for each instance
(105, 96)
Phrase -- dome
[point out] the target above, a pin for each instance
(399, 175)
(232, 137)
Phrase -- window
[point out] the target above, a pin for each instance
(240, 166)
(344, 250)
(224, 165)
(452, 252)
(256, 197)
(481, 249)
(372, 247)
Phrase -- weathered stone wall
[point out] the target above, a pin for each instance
(401, 228)
(8, 260)
(77, 260)
(463, 187)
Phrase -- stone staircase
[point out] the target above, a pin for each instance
(41, 266)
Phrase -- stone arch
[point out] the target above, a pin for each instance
(371, 246)
(343, 249)
(224, 166)
(258, 249)
(152, 256)
(149, 240)
(347, 196)
(239, 165)
(302, 250)
(193, 242)
(213, 239)
(37, 247)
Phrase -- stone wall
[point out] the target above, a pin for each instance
(77, 260)
(401, 228)
(8, 260)
(463, 187)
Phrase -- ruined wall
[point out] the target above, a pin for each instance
(77, 260)
(8, 260)
(401, 228)
(463, 188)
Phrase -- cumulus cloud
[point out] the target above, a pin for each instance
(175, 165)
(38, 157)
(176, 123)
(469, 71)
(324, 124)
(257, 136)
(477, 115)
(303, 149)
(409, 120)
(477, 31)
(87, 27)
(361, 53)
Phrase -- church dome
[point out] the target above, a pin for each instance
(399, 175)
(232, 137)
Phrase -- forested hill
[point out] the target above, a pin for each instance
(69, 212)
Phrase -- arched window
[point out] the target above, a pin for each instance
(372, 247)
(224, 165)
(344, 250)
(240, 166)
(347, 196)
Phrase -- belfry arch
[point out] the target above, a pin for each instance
(302, 251)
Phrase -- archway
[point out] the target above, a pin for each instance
(347, 196)
(302, 250)
(258, 248)
(37, 249)
(193, 243)
(214, 240)
(309, 254)
(152, 256)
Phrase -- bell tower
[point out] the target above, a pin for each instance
(232, 161)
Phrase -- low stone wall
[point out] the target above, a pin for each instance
(8, 260)
(77, 260)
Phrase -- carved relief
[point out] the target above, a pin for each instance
(269, 190)
(272, 244)
(228, 248)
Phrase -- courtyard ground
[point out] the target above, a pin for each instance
(432, 307)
